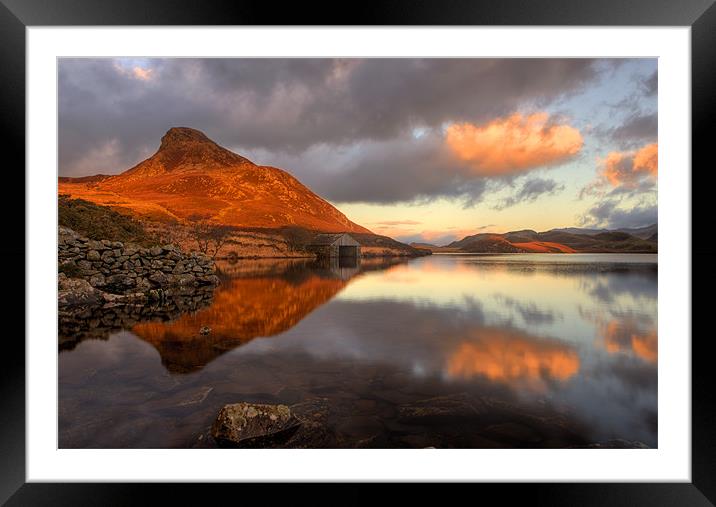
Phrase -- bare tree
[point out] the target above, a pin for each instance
(209, 237)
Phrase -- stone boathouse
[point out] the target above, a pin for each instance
(340, 246)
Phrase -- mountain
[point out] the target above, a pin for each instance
(640, 232)
(557, 241)
(190, 176)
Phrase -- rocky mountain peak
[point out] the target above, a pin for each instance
(177, 136)
(184, 147)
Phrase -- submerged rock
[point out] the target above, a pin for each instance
(246, 424)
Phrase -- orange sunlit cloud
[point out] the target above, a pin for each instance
(627, 167)
(514, 359)
(143, 74)
(513, 144)
(425, 236)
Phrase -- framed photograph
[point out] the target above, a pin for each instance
(434, 245)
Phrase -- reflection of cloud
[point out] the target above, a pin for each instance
(513, 358)
(638, 287)
(645, 346)
(626, 337)
(529, 311)
(513, 144)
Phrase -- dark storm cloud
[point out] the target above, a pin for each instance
(637, 127)
(111, 116)
(651, 84)
(530, 191)
(608, 215)
(403, 169)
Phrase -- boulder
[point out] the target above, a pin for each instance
(249, 424)
(97, 280)
(77, 292)
(95, 245)
(120, 281)
(84, 265)
(185, 280)
(158, 278)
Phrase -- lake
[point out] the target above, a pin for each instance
(479, 351)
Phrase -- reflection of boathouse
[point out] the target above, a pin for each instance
(339, 246)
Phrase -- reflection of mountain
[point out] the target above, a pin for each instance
(267, 302)
(513, 358)
(98, 323)
(243, 309)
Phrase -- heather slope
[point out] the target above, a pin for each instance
(191, 176)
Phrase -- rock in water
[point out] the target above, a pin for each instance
(252, 424)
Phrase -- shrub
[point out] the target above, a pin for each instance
(101, 222)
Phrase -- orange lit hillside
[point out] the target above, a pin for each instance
(544, 247)
(191, 175)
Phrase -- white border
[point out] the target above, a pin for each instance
(671, 461)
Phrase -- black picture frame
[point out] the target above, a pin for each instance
(16, 15)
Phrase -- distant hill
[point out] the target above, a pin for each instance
(432, 248)
(640, 232)
(559, 241)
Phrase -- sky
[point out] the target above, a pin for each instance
(417, 149)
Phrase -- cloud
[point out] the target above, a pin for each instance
(627, 168)
(637, 127)
(399, 170)
(623, 173)
(398, 222)
(289, 105)
(513, 144)
(143, 74)
(609, 215)
(102, 159)
(434, 237)
(530, 191)
(133, 71)
(650, 85)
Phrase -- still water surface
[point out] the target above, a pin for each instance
(521, 350)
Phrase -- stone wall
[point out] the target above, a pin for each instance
(115, 268)
(99, 321)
